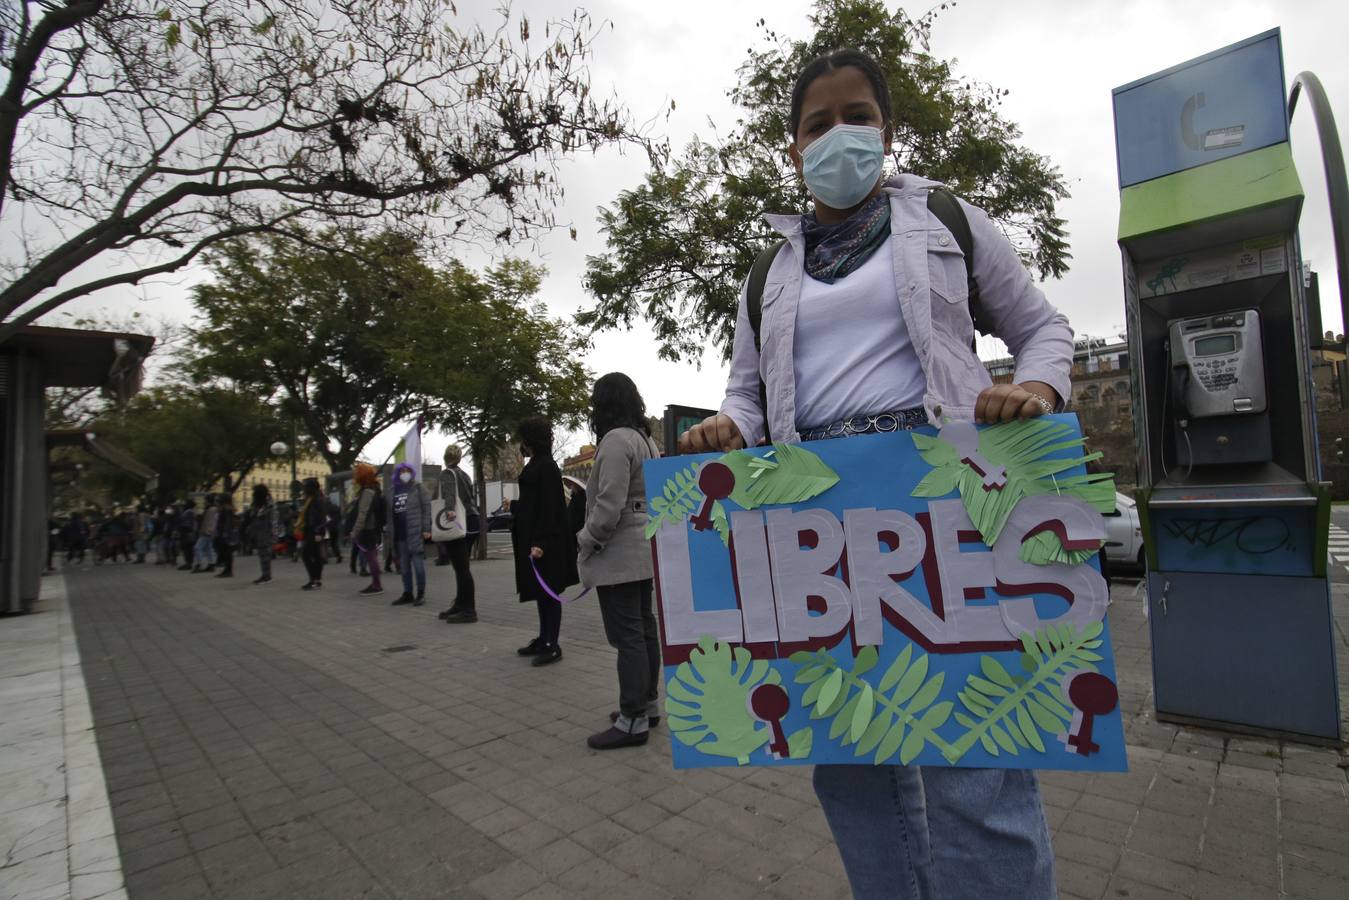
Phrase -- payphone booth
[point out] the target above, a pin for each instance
(1234, 512)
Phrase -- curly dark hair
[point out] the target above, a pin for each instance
(536, 433)
(832, 62)
(261, 495)
(615, 402)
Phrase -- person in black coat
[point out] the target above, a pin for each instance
(541, 538)
(311, 526)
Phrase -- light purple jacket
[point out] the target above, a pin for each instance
(933, 298)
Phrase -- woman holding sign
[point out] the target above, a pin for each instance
(862, 321)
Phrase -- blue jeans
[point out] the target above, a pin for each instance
(204, 554)
(407, 561)
(910, 832)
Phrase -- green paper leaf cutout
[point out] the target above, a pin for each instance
(913, 745)
(1022, 448)
(1028, 728)
(1003, 739)
(829, 692)
(865, 660)
(861, 717)
(897, 669)
(927, 693)
(936, 717)
(1045, 547)
(935, 452)
(939, 482)
(679, 497)
(893, 737)
(843, 721)
(912, 680)
(899, 714)
(721, 523)
(995, 672)
(875, 731)
(799, 743)
(791, 474)
(809, 674)
(1008, 711)
(812, 694)
(715, 683)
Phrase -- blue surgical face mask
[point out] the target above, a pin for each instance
(842, 167)
(405, 477)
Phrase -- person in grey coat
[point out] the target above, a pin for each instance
(614, 556)
(410, 527)
(455, 481)
(262, 530)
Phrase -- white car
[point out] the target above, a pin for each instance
(1124, 534)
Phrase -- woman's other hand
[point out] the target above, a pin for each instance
(536, 552)
(715, 433)
(1005, 402)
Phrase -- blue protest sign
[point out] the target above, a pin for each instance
(927, 597)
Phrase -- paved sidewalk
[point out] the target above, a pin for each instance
(264, 742)
(56, 831)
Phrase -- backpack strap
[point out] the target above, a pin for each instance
(758, 276)
(944, 205)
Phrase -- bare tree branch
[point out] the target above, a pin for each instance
(130, 130)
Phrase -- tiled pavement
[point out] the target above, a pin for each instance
(56, 831)
(271, 743)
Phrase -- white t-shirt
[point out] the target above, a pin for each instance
(852, 351)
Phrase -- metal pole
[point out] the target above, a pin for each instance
(293, 476)
(1332, 156)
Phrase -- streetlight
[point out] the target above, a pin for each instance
(279, 448)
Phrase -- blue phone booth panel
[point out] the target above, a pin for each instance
(1244, 650)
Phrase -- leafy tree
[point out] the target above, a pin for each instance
(191, 438)
(507, 360)
(680, 245)
(324, 319)
(134, 134)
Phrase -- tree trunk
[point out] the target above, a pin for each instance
(480, 552)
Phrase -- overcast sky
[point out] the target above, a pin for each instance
(1058, 59)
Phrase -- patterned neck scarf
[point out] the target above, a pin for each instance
(834, 251)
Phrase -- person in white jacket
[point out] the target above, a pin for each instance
(866, 327)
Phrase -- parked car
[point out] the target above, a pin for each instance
(1124, 534)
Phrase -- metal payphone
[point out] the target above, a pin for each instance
(1234, 513)
(1218, 388)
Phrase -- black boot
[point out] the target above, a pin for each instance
(462, 617)
(404, 600)
(547, 656)
(533, 648)
(615, 738)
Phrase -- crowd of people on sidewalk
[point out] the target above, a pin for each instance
(854, 323)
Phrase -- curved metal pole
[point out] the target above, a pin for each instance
(1336, 185)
